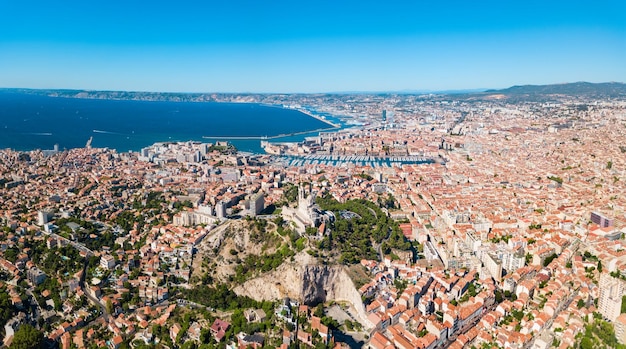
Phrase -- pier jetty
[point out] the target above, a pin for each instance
(264, 138)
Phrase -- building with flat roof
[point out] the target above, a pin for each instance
(257, 203)
(493, 265)
(601, 220)
(107, 262)
(36, 276)
(43, 217)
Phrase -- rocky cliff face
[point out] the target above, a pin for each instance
(307, 282)
(321, 283)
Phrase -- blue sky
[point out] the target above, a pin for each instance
(316, 46)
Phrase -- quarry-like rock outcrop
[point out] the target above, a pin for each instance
(309, 283)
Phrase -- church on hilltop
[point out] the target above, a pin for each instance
(307, 214)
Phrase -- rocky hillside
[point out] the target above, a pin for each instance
(309, 282)
(610, 89)
(229, 245)
(267, 260)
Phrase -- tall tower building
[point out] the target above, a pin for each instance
(610, 301)
(220, 210)
(257, 203)
(43, 217)
(493, 265)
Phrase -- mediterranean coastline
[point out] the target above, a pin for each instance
(490, 217)
(33, 121)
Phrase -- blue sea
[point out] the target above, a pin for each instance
(29, 121)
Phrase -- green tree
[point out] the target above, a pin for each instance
(6, 307)
(586, 343)
(319, 310)
(189, 345)
(556, 179)
(529, 258)
(27, 337)
(549, 259)
(109, 306)
(499, 296)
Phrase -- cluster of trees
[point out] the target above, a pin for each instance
(105, 239)
(184, 327)
(500, 296)
(150, 207)
(127, 219)
(352, 326)
(504, 238)
(397, 240)
(27, 337)
(87, 228)
(618, 275)
(64, 259)
(181, 205)
(290, 194)
(354, 238)
(599, 334)
(389, 202)
(400, 285)
(117, 190)
(238, 322)
(162, 333)
(351, 240)
(282, 231)
(11, 253)
(365, 176)
(588, 256)
(154, 200)
(51, 284)
(258, 229)
(130, 297)
(6, 308)
(218, 297)
(515, 314)
(253, 263)
(223, 149)
(471, 291)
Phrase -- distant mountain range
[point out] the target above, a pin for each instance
(523, 92)
(604, 89)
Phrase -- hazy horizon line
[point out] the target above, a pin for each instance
(399, 91)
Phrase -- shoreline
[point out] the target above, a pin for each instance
(319, 118)
(267, 138)
(282, 135)
(135, 142)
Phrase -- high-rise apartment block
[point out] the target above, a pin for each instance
(611, 292)
(601, 220)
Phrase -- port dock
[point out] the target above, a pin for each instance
(265, 138)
